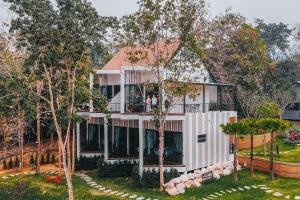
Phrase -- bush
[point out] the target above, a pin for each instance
(150, 177)
(85, 163)
(4, 164)
(53, 158)
(47, 157)
(32, 161)
(10, 163)
(43, 159)
(116, 169)
(17, 162)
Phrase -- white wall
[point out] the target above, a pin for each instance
(215, 149)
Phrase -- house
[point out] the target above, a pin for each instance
(292, 112)
(193, 137)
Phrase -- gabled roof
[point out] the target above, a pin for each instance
(146, 55)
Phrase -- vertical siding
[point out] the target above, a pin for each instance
(215, 149)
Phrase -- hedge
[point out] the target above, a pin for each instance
(150, 178)
(85, 163)
(116, 169)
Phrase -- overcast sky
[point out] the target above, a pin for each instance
(270, 10)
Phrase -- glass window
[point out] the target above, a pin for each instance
(172, 151)
(120, 141)
(133, 142)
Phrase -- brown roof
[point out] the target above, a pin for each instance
(142, 56)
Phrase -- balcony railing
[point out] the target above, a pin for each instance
(181, 108)
(114, 107)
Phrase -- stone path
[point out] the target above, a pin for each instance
(93, 184)
(216, 195)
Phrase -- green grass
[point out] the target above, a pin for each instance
(35, 188)
(283, 185)
(292, 156)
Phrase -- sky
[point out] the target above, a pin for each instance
(286, 11)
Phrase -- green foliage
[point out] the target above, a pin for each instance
(10, 164)
(85, 163)
(276, 35)
(150, 177)
(47, 157)
(4, 164)
(43, 159)
(273, 124)
(115, 169)
(17, 162)
(239, 128)
(269, 109)
(53, 158)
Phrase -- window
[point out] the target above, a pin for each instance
(202, 138)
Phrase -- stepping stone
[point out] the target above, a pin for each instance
(264, 188)
(5, 177)
(223, 192)
(133, 196)
(287, 197)
(114, 192)
(125, 195)
(213, 196)
(204, 199)
(26, 173)
(254, 186)
(98, 186)
(218, 194)
(248, 188)
(297, 197)
(277, 194)
(229, 191)
(262, 185)
(120, 193)
(140, 198)
(234, 190)
(269, 191)
(107, 191)
(241, 189)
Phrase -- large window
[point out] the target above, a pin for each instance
(133, 142)
(91, 137)
(172, 151)
(120, 141)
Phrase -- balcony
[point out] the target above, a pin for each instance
(181, 108)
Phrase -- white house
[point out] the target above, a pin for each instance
(292, 112)
(193, 137)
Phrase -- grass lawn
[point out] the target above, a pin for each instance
(35, 188)
(292, 152)
(284, 185)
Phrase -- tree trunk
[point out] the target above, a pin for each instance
(235, 177)
(251, 156)
(73, 152)
(272, 156)
(38, 128)
(59, 159)
(21, 136)
(161, 158)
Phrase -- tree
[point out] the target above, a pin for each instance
(272, 125)
(162, 34)
(254, 130)
(235, 129)
(58, 43)
(276, 36)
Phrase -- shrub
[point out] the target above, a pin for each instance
(4, 164)
(294, 135)
(47, 157)
(85, 163)
(17, 162)
(53, 158)
(32, 161)
(150, 177)
(43, 159)
(116, 169)
(10, 163)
